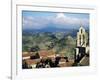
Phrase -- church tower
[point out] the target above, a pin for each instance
(80, 44)
(81, 37)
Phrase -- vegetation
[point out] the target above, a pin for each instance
(61, 42)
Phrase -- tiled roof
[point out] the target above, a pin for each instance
(26, 54)
(66, 64)
(30, 61)
(85, 61)
(62, 60)
(45, 53)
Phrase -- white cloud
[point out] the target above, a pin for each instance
(66, 20)
(60, 15)
(60, 21)
(35, 23)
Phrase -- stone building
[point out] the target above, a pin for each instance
(81, 45)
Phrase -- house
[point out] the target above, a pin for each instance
(51, 53)
(27, 55)
(62, 61)
(32, 63)
(46, 54)
(43, 54)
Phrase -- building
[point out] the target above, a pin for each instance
(81, 37)
(28, 55)
(32, 63)
(46, 54)
(81, 44)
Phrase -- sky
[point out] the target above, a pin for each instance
(40, 20)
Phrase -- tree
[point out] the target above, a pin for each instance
(24, 64)
(35, 49)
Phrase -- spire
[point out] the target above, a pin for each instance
(81, 24)
(81, 27)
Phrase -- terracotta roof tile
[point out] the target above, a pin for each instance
(24, 54)
(30, 62)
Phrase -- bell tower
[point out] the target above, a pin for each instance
(81, 37)
(80, 44)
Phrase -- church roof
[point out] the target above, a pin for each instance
(84, 61)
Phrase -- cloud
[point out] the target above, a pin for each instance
(34, 23)
(60, 21)
(65, 21)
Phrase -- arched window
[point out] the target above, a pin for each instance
(81, 30)
(83, 38)
(80, 39)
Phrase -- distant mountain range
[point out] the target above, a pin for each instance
(72, 32)
(53, 29)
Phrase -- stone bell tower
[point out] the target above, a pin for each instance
(80, 44)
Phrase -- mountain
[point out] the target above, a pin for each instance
(52, 30)
(49, 29)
